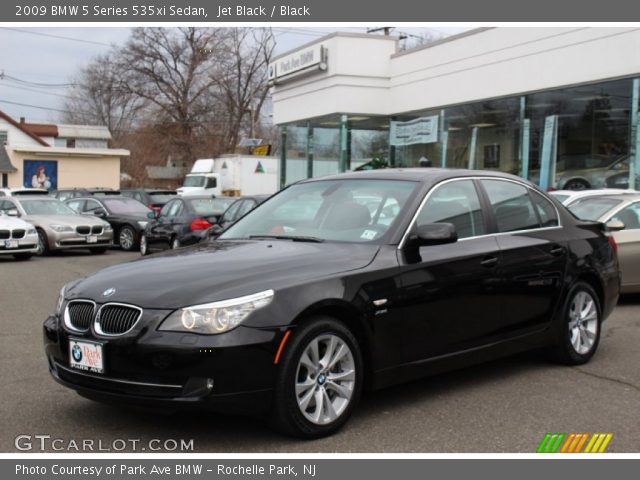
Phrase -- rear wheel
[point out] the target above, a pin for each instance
(579, 332)
(175, 243)
(320, 379)
(127, 238)
(577, 184)
(43, 243)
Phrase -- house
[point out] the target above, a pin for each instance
(56, 156)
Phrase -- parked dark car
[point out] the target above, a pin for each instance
(128, 217)
(238, 209)
(67, 193)
(311, 297)
(154, 198)
(183, 221)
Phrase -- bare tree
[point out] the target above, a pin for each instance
(241, 83)
(99, 97)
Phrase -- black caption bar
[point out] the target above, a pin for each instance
(330, 469)
(318, 11)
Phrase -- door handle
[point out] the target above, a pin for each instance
(556, 251)
(489, 261)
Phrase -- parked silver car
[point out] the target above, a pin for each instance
(17, 237)
(58, 226)
(621, 213)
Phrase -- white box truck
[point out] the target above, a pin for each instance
(232, 175)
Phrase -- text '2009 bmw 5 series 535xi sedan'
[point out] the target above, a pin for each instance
(335, 285)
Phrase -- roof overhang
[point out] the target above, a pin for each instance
(71, 152)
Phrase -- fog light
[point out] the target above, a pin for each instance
(209, 383)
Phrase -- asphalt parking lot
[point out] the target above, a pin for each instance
(503, 406)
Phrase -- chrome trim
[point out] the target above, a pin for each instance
(96, 324)
(115, 380)
(67, 319)
(457, 179)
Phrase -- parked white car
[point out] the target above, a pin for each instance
(567, 197)
(14, 192)
(17, 237)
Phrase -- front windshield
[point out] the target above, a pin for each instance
(339, 210)
(194, 181)
(593, 208)
(46, 207)
(125, 206)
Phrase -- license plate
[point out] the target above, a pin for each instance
(86, 356)
(11, 244)
(92, 239)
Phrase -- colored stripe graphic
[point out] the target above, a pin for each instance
(574, 442)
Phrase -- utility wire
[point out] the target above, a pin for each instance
(60, 37)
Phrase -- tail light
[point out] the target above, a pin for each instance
(154, 208)
(199, 224)
(612, 242)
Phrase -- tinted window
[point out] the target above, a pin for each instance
(511, 206)
(630, 216)
(161, 197)
(204, 206)
(593, 208)
(546, 211)
(456, 203)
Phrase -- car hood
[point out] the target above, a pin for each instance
(220, 270)
(12, 222)
(71, 220)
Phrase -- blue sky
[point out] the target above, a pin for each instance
(44, 61)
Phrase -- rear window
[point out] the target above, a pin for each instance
(124, 206)
(593, 208)
(161, 197)
(204, 206)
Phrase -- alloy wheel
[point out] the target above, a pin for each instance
(325, 379)
(583, 322)
(126, 238)
(143, 245)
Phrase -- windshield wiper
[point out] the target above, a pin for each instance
(295, 238)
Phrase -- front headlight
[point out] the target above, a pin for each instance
(60, 301)
(216, 317)
(107, 227)
(61, 228)
(32, 231)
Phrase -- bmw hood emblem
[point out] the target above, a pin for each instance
(108, 292)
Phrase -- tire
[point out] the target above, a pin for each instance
(578, 338)
(23, 256)
(127, 238)
(144, 247)
(175, 243)
(43, 243)
(305, 414)
(577, 184)
(97, 251)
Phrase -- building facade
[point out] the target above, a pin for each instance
(548, 103)
(57, 156)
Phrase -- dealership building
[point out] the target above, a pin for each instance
(530, 101)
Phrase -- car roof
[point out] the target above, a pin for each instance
(628, 197)
(428, 174)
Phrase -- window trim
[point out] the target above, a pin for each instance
(483, 200)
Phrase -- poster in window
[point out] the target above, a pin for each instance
(492, 156)
(41, 174)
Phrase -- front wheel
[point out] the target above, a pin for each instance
(43, 243)
(144, 245)
(320, 379)
(579, 332)
(127, 238)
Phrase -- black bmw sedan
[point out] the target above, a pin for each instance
(335, 285)
(127, 217)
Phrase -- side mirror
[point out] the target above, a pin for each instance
(13, 212)
(615, 225)
(434, 234)
(152, 215)
(214, 231)
(99, 212)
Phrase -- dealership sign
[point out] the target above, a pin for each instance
(302, 61)
(419, 130)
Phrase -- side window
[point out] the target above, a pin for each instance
(166, 209)
(176, 209)
(91, 206)
(211, 182)
(546, 211)
(76, 205)
(246, 206)
(630, 216)
(511, 205)
(6, 205)
(457, 203)
(231, 213)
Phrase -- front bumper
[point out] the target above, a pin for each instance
(26, 244)
(65, 240)
(232, 372)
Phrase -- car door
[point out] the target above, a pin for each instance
(163, 228)
(533, 248)
(156, 236)
(628, 241)
(448, 295)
